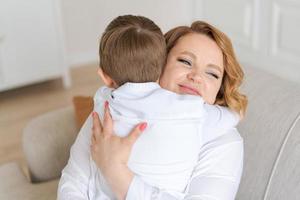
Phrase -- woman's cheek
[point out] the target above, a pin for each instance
(213, 94)
(209, 98)
(206, 92)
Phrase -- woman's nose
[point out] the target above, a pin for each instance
(195, 77)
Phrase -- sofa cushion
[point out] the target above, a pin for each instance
(83, 106)
(14, 185)
(46, 143)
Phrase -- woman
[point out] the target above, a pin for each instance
(200, 62)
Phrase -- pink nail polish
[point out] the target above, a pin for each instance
(143, 126)
(106, 104)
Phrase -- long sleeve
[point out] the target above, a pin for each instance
(219, 118)
(75, 176)
(215, 177)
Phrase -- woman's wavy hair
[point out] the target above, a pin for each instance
(229, 94)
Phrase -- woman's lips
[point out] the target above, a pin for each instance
(188, 90)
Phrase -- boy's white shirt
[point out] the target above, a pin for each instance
(168, 158)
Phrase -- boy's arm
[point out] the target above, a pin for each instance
(220, 117)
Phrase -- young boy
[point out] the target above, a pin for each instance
(132, 56)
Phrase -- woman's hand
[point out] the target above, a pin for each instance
(111, 152)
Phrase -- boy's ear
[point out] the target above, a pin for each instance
(109, 82)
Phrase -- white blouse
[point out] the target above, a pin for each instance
(207, 165)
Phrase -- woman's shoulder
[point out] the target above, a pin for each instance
(231, 135)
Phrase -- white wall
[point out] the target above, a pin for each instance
(246, 22)
(84, 21)
(265, 34)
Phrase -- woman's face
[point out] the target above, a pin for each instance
(194, 66)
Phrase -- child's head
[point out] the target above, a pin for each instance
(132, 49)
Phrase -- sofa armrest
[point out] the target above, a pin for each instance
(46, 143)
(271, 132)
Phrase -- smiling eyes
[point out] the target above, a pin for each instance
(184, 61)
(189, 65)
(213, 75)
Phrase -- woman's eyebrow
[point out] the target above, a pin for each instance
(189, 54)
(215, 67)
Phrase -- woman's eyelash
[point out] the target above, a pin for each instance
(184, 61)
(187, 62)
(214, 75)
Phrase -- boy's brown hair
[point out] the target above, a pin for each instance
(132, 49)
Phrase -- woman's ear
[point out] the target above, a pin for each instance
(108, 81)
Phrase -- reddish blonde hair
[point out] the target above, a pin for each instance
(229, 94)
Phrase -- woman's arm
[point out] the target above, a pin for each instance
(216, 175)
(73, 183)
(111, 152)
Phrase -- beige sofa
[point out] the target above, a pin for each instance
(271, 132)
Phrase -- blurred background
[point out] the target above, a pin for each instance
(49, 49)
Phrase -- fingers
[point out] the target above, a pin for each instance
(97, 127)
(136, 132)
(93, 144)
(93, 140)
(107, 122)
